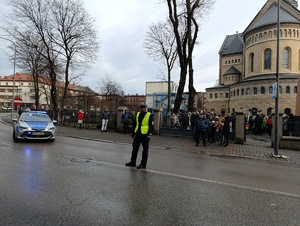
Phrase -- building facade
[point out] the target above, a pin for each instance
(247, 64)
(22, 85)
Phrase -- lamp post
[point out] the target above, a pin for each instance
(14, 75)
(276, 139)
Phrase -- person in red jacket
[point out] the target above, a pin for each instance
(270, 125)
(80, 117)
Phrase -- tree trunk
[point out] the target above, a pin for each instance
(169, 90)
(192, 91)
(180, 90)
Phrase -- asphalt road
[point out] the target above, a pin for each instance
(82, 182)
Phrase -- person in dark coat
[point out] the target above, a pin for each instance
(226, 130)
(125, 120)
(258, 124)
(201, 129)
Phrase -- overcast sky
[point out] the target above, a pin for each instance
(121, 26)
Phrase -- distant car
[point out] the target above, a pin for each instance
(34, 125)
(6, 108)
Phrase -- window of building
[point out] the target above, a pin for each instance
(287, 89)
(270, 89)
(248, 91)
(262, 90)
(235, 61)
(285, 58)
(254, 90)
(238, 92)
(234, 93)
(267, 59)
(239, 60)
(280, 90)
(251, 62)
(216, 95)
(242, 92)
(210, 96)
(295, 89)
(226, 95)
(225, 61)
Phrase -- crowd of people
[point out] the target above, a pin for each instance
(210, 127)
(261, 124)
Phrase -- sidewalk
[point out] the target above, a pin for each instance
(256, 147)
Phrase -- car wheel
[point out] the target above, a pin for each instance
(14, 136)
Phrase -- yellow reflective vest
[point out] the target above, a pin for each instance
(145, 123)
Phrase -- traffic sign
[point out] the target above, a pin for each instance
(18, 101)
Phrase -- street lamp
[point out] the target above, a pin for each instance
(14, 75)
(276, 139)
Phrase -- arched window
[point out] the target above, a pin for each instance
(216, 95)
(210, 96)
(295, 89)
(285, 58)
(254, 90)
(287, 89)
(270, 89)
(248, 92)
(269, 111)
(238, 92)
(251, 62)
(280, 90)
(267, 59)
(262, 90)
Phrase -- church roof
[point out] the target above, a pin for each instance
(233, 71)
(232, 44)
(270, 18)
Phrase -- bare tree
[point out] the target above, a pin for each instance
(183, 16)
(111, 90)
(64, 31)
(160, 45)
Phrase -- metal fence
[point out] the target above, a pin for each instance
(291, 127)
(92, 119)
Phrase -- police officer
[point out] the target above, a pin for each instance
(141, 133)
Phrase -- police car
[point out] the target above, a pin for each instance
(34, 125)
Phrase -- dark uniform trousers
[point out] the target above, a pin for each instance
(135, 148)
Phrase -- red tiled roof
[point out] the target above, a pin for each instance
(28, 78)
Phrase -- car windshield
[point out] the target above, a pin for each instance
(31, 117)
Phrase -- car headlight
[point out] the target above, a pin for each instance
(52, 129)
(23, 128)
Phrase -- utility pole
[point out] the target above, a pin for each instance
(276, 139)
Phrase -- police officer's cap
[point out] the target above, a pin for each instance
(143, 105)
